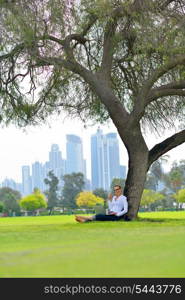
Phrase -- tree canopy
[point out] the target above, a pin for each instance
(180, 196)
(150, 196)
(10, 199)
(73, 185)
(54, 46)
(176, 176)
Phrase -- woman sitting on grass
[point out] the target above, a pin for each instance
(117, 208)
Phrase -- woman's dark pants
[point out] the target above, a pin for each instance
(101, 217)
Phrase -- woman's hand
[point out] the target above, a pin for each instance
(110, 197)
(112, 213)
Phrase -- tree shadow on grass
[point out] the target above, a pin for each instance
(161, 220)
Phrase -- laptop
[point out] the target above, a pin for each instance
(100, 210)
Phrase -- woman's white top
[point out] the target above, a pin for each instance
(118, 205)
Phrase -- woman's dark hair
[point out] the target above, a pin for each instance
(118, 186)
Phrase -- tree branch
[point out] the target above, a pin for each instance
(14, 51)
(172, 85)
(145, 95)
(77, 37)
(166, 92)
(180, 59)
(53, 38)
(165, 4)
(87, 27)
(108, 47)
(175, 88)
(110, 30)
(165, 146)
(60, 62)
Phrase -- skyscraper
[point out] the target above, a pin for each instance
(46, 169)
(104, 159)
(26, 180)
(56, 163)
(98, 169)
(113, 159)
(10, 183)
(74, 152)
(37, 176)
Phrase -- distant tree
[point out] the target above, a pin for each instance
(151, 182)
(52, 196)
(149, 197)
(1, 207)
(119, 181)
(157, 167)
(10, 199)
(88, 199)
(73, 185)
(167, 203)
(180, 196)
(156, 173)
(176, 176)
(33, 202)
(101, 193)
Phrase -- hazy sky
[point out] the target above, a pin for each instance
(24, 148)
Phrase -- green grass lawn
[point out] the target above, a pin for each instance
(57, 246)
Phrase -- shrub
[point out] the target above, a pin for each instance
(33, 201)
(88, 199)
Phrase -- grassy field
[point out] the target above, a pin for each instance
(57, 246)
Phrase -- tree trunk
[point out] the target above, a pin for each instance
(135, 181)
(137, 170)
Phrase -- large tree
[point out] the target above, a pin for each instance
(118, 59)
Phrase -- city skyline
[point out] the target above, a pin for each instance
(105, 164)
(25, 146)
